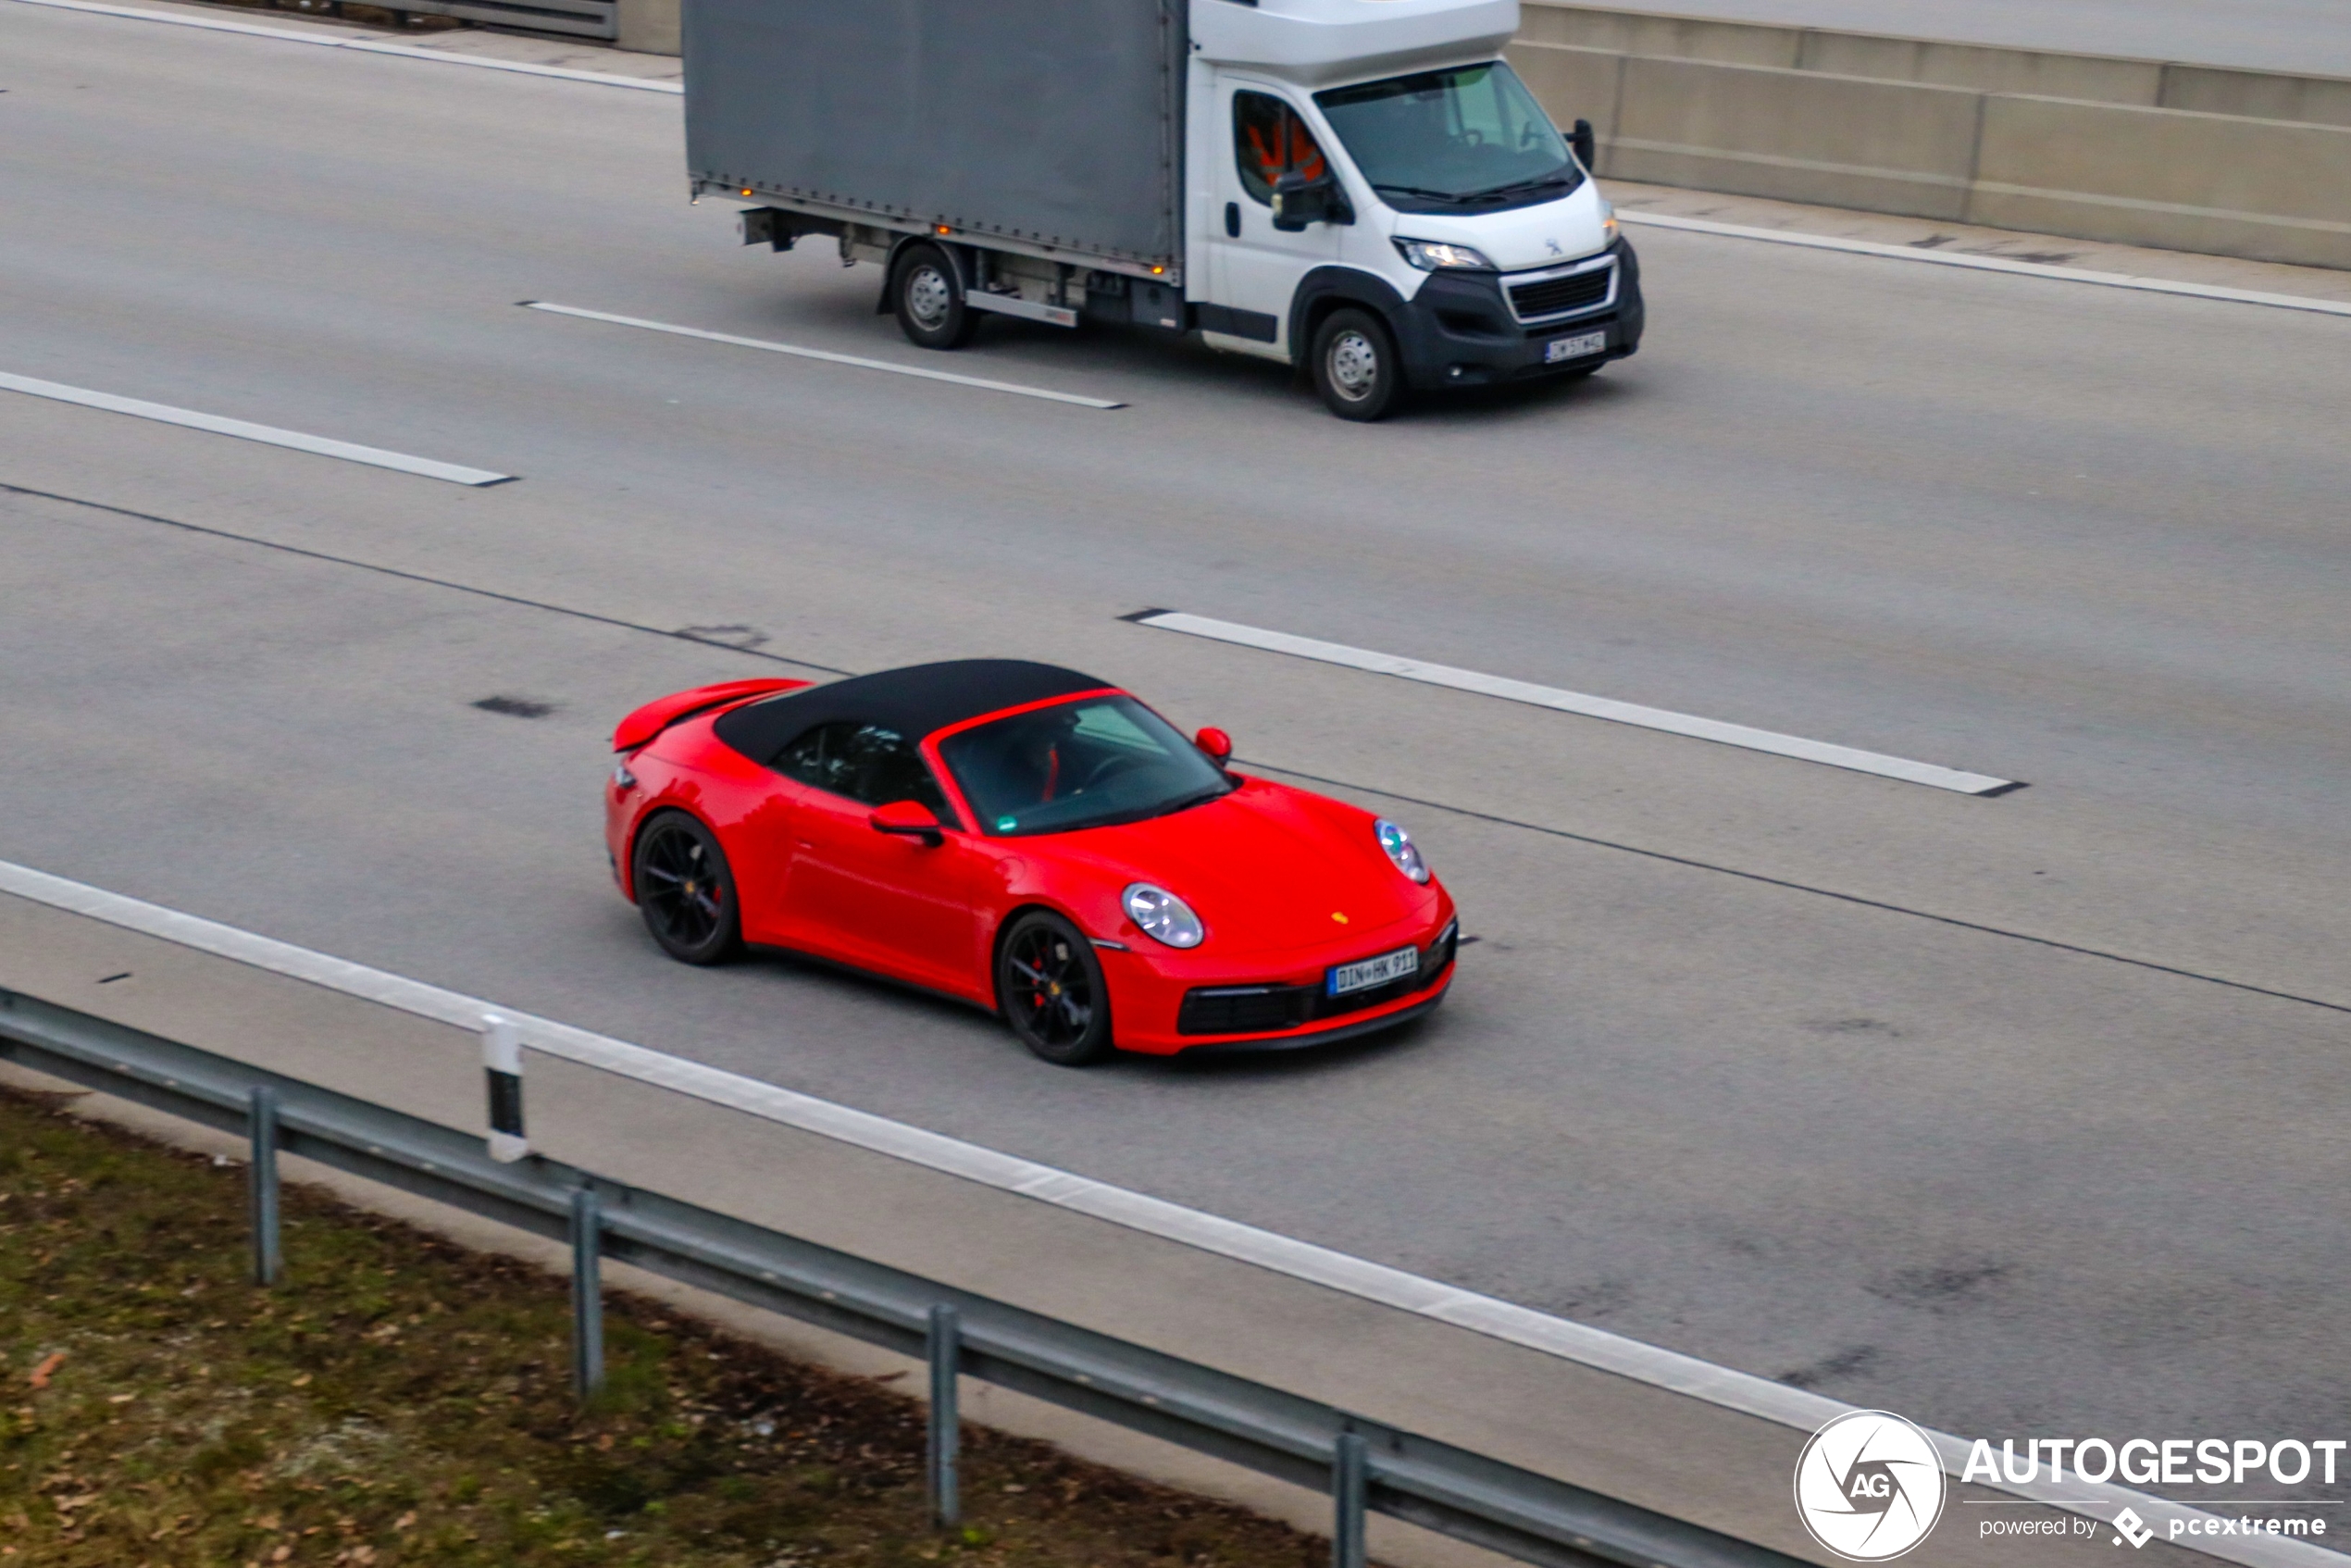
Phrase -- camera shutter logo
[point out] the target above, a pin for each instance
(1869, 1486)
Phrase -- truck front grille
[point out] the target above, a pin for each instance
(1545, 298)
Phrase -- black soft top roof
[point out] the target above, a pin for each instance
(915, 701)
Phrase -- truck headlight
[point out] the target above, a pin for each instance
(1433, 256)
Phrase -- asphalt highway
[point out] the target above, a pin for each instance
(2010, 1113)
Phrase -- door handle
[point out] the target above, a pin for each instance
(1233, 220)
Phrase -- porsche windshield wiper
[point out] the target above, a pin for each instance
(1164, 808)
(1133, 814)
(1185, 802)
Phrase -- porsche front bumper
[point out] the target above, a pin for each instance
(1161, 1009)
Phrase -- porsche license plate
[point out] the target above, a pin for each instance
(1576, 347)
(1377, 971)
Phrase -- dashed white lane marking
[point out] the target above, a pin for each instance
(1578, 702)
(163, 413)
(362, 44)
(1990, 264)
(825, 355)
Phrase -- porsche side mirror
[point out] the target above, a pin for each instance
(1216, 744)
(909, 819)
(1298, 201)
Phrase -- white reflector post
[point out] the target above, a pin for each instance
(501, 1064)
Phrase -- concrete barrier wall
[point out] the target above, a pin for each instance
(1681, 38)
(1986, 70)
(2265, 189)
(649, 27)
(1884, 146)
(2044, 74)
(1574, 84)
(2257, 94)
(2228, 185)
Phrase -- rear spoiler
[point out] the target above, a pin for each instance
(641, 726)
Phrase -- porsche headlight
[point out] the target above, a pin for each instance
(1162, 916)
(1401, 852)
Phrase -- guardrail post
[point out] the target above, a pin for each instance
(946, 1424)
(587, 1294)
(261, 1172)
(1348, 1468)
(502, 1065)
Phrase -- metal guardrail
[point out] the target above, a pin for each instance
(1364, 1466)
(579, 18)
(576, 18)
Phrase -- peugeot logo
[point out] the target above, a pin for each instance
(1554, 245)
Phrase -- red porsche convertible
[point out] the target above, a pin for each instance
(1031, 840)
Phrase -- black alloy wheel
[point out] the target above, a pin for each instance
(685, 891)
(1050, 985)
(1355, 367)
(926, 292)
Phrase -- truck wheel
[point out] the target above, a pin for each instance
(1356, 367)
(928, 297)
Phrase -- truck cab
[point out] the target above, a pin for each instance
(1371, 191)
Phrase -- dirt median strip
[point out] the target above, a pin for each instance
(400, 1399)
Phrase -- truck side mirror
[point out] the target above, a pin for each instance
(1298, 201)
(1581, 142)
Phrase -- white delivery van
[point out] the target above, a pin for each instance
(1363, 186)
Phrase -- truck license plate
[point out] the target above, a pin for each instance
(1377, 971)
(1576, 347)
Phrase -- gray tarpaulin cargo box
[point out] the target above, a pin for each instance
(1054, 124)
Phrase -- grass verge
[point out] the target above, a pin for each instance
(401, 1400)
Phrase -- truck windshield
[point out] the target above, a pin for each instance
(1467, 139)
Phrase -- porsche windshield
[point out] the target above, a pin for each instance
(1080, 764)
(1470, 139)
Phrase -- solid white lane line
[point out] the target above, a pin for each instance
(163, 413)
(362, 43)
(1653, 1366)
(1578, 702)
(1989, 264)
(825, 355)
